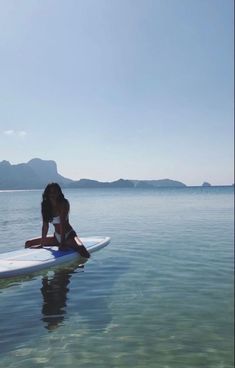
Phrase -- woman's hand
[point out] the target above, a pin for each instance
(43, 242)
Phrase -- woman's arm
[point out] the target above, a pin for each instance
(64, 210)
(45, 227)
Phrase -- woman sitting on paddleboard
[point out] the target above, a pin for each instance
(55, 210)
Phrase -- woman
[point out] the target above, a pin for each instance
(55, 210)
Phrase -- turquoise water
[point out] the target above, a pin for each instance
(160, 295)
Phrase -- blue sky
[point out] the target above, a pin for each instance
(109, 89)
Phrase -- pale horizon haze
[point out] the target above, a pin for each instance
(109, 89)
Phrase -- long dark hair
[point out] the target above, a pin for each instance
(46, 206)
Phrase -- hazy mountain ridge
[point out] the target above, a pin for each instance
(37, 173)
(32, 175)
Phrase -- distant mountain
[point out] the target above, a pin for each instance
(20, 176)
(86, 183)
(48, 171)
(37, 173)
(158, 183)
(206, 184)
(121, 183)
(32, 175)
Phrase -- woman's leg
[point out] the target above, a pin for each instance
(76, 244)
(50, 240)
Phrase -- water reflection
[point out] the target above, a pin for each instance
(55, 294)
(88, 301)
(49, 300)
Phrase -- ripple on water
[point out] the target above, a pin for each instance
(161, 295)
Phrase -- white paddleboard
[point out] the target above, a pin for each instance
(25, 261)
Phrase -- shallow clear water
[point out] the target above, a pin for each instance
(160, 295)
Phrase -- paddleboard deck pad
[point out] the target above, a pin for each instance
(25, 261)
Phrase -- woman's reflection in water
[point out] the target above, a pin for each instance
(54, 291)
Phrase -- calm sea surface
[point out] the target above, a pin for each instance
(159, 296)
